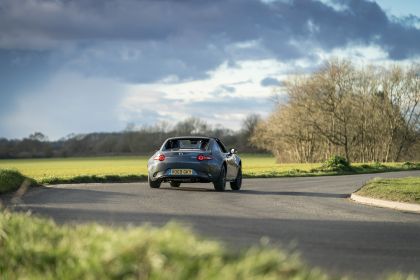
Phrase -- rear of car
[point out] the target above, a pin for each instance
(194, 159)
(184, 160)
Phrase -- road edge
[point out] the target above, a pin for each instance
(402, 206)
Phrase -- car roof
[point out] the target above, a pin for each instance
(190, 137)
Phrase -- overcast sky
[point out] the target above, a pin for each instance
(78, 66)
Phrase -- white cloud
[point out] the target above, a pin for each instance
(215, 99)
(361, 55)
(336, 5)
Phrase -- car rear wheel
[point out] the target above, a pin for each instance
(220, 183)
(236, 185)
(153, 184)
(175, 184)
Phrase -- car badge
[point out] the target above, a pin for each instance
(180, 154)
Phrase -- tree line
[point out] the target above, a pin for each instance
(131, 141)
(363, 113)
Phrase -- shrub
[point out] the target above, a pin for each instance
(336, 163)
(378, 165)
(408, 164)
(10, 180)
(295, 171)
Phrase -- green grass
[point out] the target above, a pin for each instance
(403, 189)
(11, 180)
(35, 248)
(134, 168)
(80, 169)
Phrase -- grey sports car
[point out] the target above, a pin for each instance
(195, 159)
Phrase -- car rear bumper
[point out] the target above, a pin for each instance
(201, 172)
(186, 179)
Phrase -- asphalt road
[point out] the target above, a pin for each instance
(312, 215)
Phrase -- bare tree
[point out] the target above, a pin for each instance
(367, 114)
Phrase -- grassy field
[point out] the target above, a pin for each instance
(402, 189)
(49, 170)
(134, 168)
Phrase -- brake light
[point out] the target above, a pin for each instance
(203, 157)
(160, 157)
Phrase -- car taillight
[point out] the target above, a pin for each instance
(160, 157)
(203, 157)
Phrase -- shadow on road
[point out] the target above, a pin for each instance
(71, 195)
(188, 189)
(261, 192)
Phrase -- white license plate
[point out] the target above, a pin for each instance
(181, 171)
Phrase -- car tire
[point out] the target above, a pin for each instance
(153, 184)
(175, 184)
(236, 185)
(220, 183)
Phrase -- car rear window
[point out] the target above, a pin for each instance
(187, 144)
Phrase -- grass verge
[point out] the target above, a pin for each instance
(402, 189)
(11, 180)
(36, 248)
(94, 179)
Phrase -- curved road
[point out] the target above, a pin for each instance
(312, 215)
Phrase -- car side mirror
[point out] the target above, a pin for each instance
(233, 151)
